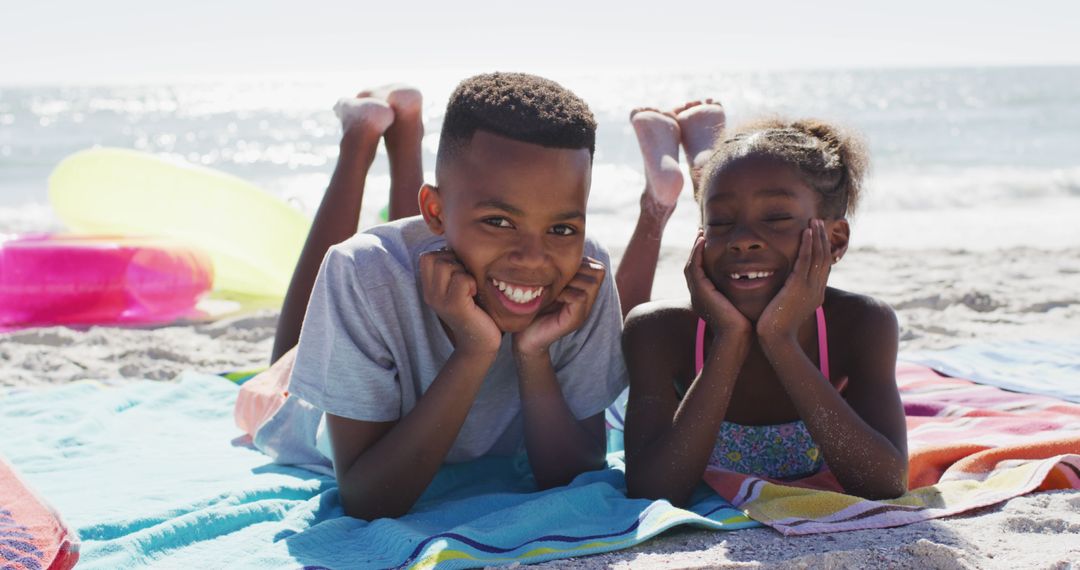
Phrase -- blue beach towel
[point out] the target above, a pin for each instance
(1044, 367)
(151, 474)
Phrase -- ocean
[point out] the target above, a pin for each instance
(975, 159)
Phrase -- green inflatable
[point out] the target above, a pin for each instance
(253, 237)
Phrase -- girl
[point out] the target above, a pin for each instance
(766, 370)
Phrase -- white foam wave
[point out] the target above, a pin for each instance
(968, 187)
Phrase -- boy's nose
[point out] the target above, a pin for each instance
(528, 251)
(743, 238)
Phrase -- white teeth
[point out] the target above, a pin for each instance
(517, 294)
(752, 275)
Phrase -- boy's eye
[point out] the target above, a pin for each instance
(563, 230)
(778, 218)
(719, 223)
(498, 222)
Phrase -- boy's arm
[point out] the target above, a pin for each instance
(559, 445)
(383, 467)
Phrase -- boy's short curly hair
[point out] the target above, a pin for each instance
(831, 160)
(517, 106)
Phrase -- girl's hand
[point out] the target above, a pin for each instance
(708, 302)
(567, 314)
(804, 290)
(450, 290)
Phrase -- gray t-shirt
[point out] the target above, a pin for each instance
(370, 347)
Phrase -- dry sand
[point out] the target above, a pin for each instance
(943, 298)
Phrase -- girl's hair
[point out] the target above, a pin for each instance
(830, 160)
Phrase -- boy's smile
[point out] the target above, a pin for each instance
(754, 214)
(514, 215)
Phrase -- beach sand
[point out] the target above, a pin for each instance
(943, 298)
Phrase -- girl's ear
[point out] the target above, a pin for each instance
(839, 233)
(431, 208)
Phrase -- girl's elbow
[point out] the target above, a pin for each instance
(638, 489)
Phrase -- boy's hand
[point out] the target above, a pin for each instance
(804, 290)
(708, 302)
(569, 311)
(450, 290)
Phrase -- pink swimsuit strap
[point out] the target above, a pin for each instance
(823, 345)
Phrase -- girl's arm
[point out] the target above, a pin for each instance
(864, 443)
(668, 442)
(863, 438)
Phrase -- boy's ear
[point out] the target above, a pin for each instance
(839, 233)
(431, 207)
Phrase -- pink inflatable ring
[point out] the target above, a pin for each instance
(65, 279)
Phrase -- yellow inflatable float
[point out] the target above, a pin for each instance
(253, 237)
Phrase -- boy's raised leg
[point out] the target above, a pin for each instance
(364, 120)
(700, 124)
(403, 148)
(658, 137)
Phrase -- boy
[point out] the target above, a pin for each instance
(487, 325)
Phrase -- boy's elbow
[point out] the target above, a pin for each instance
(358, 506)
(550, 480)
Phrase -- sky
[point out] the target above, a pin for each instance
(74, 41)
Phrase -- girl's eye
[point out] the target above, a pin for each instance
(719, 223)
(498, 222)
(778, 218)
(564, 230)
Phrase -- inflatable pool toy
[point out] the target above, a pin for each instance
(253, 237)
(60, 280)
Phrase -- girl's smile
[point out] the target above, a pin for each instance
(754, 214)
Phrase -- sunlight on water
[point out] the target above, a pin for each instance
(941, 140)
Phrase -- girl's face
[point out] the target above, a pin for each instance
(754, 214)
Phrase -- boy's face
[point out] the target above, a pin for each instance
(514, 215)
(754, 214)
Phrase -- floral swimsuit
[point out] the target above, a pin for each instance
(782, 451)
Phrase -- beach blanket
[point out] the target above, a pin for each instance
(32, 535)
(970, 446)
(1046, 367)
(154, 474)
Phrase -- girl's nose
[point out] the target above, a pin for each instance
(743, 238)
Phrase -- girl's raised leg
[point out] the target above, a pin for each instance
(658, 137)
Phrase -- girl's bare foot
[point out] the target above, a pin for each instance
(658, 137)
(700, 124)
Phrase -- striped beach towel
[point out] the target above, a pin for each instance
(970, 446)
(32, 534)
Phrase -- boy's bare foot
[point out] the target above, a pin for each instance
(366, 116)
(658, 137)
(700, 124)
(403, 140)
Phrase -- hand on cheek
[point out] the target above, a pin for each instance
(804, 290)
(708, 302)
(450, 290)
(568, 313)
